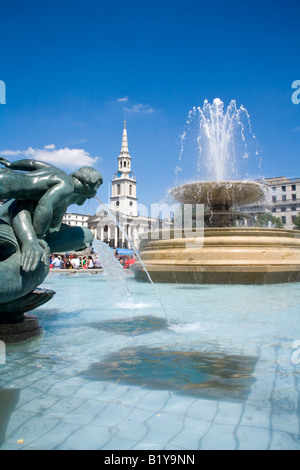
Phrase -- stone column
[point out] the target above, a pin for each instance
(135, 237)
(123, 239)
(116, 237)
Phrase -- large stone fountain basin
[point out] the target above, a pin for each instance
(219, 193)
(222, 256)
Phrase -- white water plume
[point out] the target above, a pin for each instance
(218, 144)
(116, 222)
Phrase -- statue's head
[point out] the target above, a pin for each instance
(90, 180)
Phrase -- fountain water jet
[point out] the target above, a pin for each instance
(112, 268)
(115, 220)
(218, 144)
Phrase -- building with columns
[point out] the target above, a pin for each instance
(75, 219)
(285, 195)
(123, 197)
(123, 206)
(283, 200)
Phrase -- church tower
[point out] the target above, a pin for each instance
(123, 198)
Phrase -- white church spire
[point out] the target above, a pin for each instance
(123, 198)
(124, 149)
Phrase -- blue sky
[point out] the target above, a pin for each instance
(69, 66)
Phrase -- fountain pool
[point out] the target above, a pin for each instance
(110, 374)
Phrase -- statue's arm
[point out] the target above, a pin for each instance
(55, 197)
(24, 165)
(58, 214)
(32, 249)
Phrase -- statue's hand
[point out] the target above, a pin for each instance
(46, 252)
(33, 253)
(54, 229)
(4, 162)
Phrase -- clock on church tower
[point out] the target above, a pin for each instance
(123, 198)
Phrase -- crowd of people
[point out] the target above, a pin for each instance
(126, 261)
(74, 262)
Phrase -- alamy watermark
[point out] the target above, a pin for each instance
(296, 94)
(178, 221)
(296, 354)
(2, 353)
(2, 92)
(165, 221)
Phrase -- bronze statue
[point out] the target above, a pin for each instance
(31, 228)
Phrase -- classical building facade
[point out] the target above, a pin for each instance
(123, 207)
(285, 199)
(76, 220)
(282, 201)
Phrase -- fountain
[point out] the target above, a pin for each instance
(226, 253)
(115, 375)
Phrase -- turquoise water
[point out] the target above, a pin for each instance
(110, 373)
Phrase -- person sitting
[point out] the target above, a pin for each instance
(90, 263)
(75, 262)
(68, 263)
(56, 262)
(97, 263)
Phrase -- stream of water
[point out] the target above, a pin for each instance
(116, 222)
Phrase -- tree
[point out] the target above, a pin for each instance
(297, 222)
(264, 219)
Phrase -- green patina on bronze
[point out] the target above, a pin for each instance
(37, 196)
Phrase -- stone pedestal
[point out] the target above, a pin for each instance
(15, 324)
(16, 332)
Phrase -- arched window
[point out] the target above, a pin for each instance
(124, 164)
(118, 190)
(130, 190)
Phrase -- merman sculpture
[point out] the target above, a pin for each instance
(30, 229)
